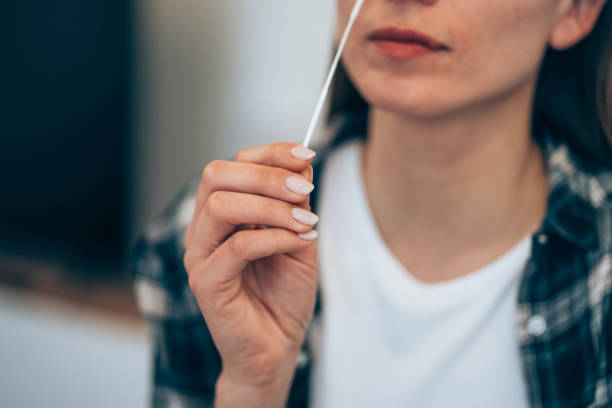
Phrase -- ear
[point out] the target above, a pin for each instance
(576, 22)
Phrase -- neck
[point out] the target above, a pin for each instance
(450, 194)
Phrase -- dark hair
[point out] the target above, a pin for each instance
(573, 95)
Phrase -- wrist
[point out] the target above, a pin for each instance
(271, 393)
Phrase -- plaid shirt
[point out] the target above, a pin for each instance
(562, 311)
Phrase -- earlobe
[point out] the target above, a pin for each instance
(566, 34)
(577, 23)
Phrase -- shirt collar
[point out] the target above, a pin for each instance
(575, 195)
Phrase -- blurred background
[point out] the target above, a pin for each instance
(108, 108)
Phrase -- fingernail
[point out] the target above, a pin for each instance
(305, 216)
(309, 236)
(303, 153)
(299, 185)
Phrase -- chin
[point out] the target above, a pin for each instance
(414, 97)
(425, 105)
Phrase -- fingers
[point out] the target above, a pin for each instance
(290, 156)
(247, 178)
(252, 178)
(281, 171)
(226, 210)
(223, 268)
(255, 179)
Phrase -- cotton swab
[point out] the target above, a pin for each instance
(332, 71)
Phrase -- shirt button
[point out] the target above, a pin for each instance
(542, 239)
(536, 325)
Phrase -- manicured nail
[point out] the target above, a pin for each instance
(303, 153)
(309, 236)
(305, 216)
(299, 185)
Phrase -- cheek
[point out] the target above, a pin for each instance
(502, 37)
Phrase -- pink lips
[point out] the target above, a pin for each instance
(404, 43)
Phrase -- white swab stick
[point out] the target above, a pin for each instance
(332, 71)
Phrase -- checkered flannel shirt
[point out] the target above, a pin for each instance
(563, 310)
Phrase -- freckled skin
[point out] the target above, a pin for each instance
(496, 48)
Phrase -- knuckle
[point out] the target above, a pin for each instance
(211, 171)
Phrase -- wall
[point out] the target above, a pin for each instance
(56, 355)
(216, 76)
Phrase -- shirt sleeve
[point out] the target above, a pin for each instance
(186, 363)
(601, 284)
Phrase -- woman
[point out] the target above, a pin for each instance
(465, 246)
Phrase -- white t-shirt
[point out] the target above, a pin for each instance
(389, 340)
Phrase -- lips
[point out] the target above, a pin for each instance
(406, 36)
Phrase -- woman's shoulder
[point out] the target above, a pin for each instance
(186, 363)
(580, 192)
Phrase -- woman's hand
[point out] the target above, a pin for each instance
(255, 286)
